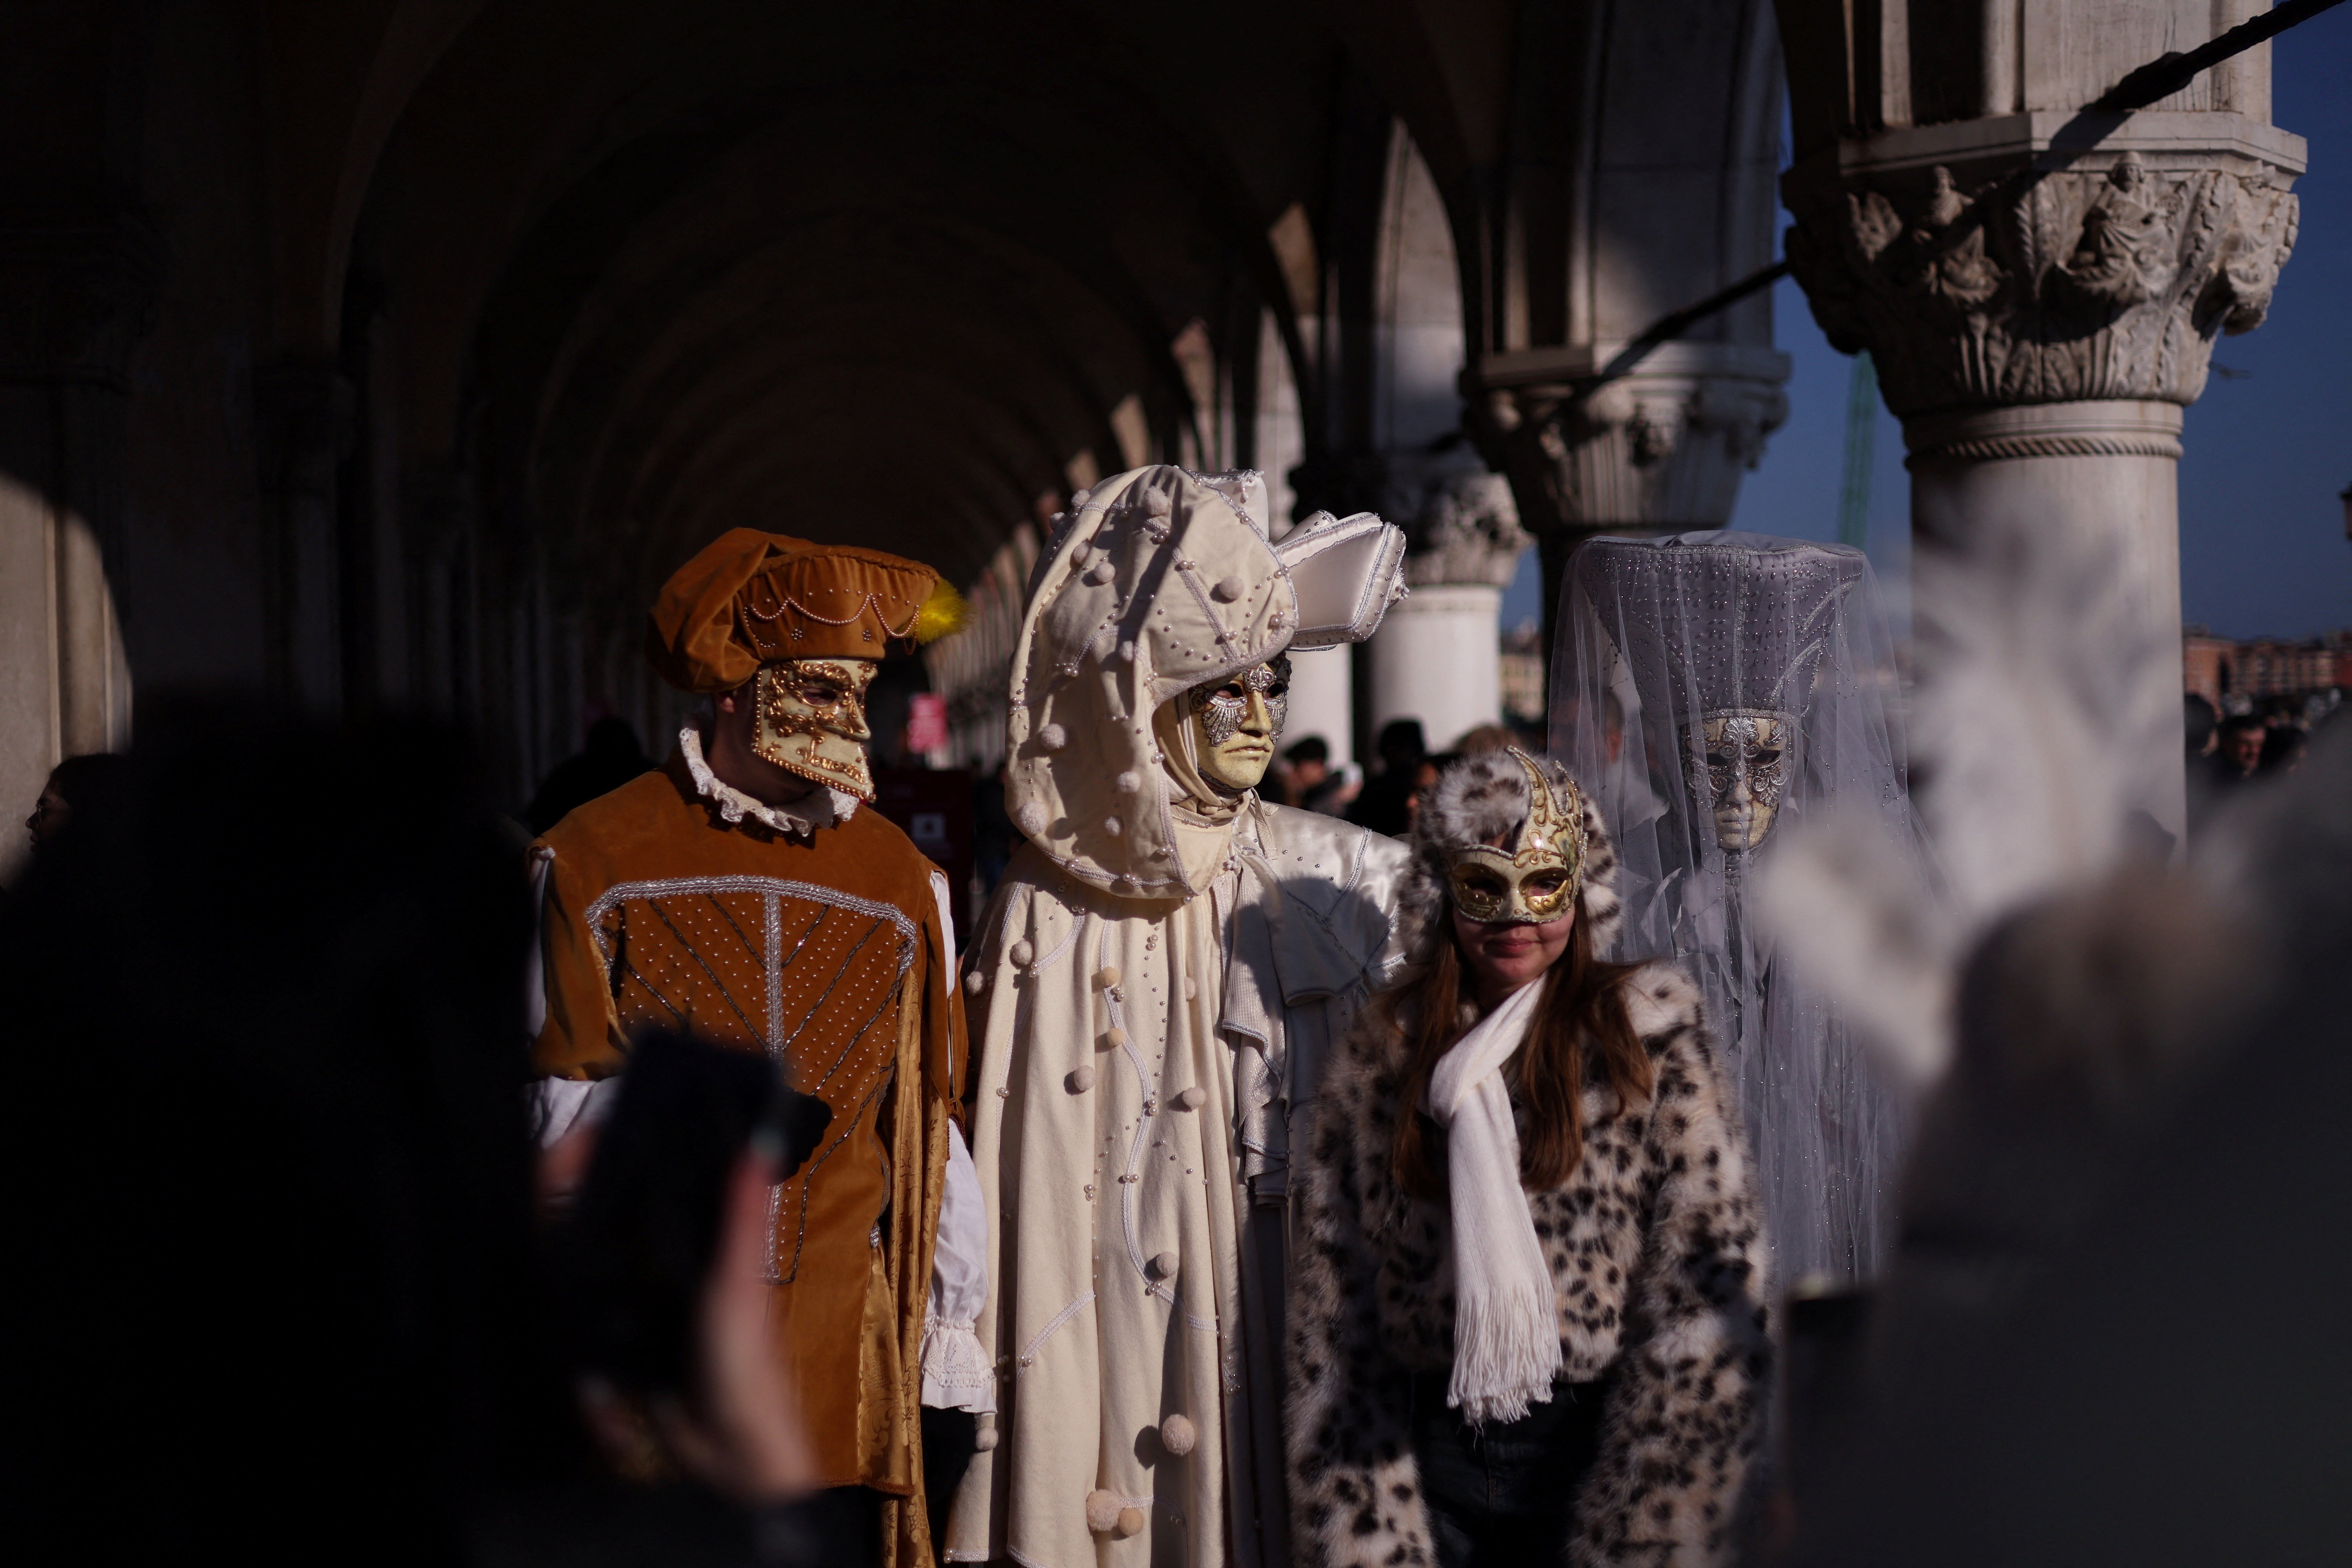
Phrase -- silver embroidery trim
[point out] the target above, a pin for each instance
(1029, 1353)
(772, 913)
(669, 887)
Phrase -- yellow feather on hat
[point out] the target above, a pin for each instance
(941, 613)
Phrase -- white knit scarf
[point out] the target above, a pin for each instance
(1505, 1318)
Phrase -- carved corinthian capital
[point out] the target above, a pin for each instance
(2044, 258)
(1461, 524)
(1658, 448)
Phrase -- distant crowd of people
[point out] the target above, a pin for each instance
(2227, 752)
(1388, 800)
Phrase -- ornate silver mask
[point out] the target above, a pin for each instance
(1739, 761)
(1222, 710)
(1237, 721)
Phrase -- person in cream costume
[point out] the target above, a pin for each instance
(1153, 993)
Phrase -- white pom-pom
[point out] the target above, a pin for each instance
(1127, 653)
(984, 1440)
(1107, 976)
(1176, 1436)
(1082, 497)
(1192, 989)
(1163, 1265)
(1102, 1511)
(1114, 1036)
(1021, 953)
(1030, 819)
(1227, 590)
(1081, 1080)
(1156, 504)
(1191, 1098)
(1129, 1522)
(1082, 556)
(974, 984)
(1103, 571)
(1114, 827)
(1053, 738)
(1129, 782)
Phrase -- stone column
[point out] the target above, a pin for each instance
(1438, 657)
(77, 293)
(437, 519)
(2040, 291)
(304, 429)
(1657, 450)
(1322, 701)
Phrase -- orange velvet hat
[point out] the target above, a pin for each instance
(749, 598)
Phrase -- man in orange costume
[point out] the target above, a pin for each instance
(747, 893)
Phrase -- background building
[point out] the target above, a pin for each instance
(2239, 677)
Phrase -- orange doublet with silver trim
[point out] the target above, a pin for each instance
(824, 950)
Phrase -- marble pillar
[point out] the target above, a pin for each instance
(1322, 701)
(1438, 657)
(2041, 291)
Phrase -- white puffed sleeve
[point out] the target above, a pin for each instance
(556, 1105)
(957, 1374)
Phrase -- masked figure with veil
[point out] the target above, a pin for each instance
(1716, 687)
(1165, 968)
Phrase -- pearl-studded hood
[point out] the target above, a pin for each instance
(1156, 582)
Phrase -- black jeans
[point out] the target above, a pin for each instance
(1504, 1494)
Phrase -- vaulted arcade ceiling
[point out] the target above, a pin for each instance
(867, 272)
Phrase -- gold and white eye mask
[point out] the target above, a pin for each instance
(810, 721)
(1533, 878)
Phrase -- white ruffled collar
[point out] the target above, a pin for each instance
(824, 806)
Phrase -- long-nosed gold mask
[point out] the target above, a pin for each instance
(1533, 878)
(810, 719)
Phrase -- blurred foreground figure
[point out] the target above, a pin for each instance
(1529, 1322)
(743, 895)
(1720, 688)
(274, 1286)
(271, 1279)
(2113, 1333)
(1166, 966)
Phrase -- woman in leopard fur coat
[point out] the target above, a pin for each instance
(1414, 1440)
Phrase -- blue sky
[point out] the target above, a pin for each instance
(2267, 450)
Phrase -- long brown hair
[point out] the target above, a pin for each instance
(1580, 1014)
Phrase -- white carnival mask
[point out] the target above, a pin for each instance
(810, 719)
